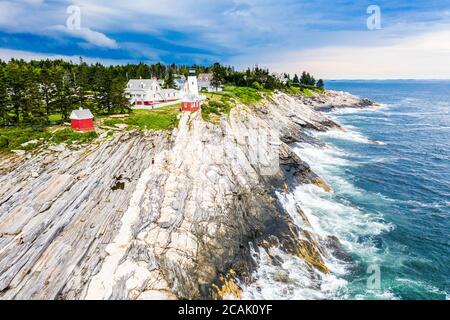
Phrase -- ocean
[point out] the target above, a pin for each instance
(390, 205)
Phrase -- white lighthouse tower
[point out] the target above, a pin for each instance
(191, 98)
(191, 85)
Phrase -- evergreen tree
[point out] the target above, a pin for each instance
(34, 101)
(320, 84)
(119, 100)
(4, 97)
(307, 79)
(296, 80)
(219, 74)
(304, 78)
(102, 89)
(67, 97)
(17, 84)
(48, 78)
(82, 83)
(169, 81)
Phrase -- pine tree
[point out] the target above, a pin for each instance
(82, 83)
(4, 98)
(48, 78)
(219, 74)
(17, 84)
(304, 78)
(67, 97)
(102, 91)
(320, 84)
(169, 81)
(119, 100)
(307, 79)
(34, 101)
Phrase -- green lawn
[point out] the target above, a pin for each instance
(165, 118)
(13, 138)
(221, 103)
(245, 95)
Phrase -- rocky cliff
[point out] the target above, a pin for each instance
(163, 215)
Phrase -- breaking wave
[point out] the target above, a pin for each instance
(329, 214)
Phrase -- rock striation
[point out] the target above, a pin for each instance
(158, 215)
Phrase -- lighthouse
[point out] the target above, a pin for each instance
(191, 85)
(191, 98)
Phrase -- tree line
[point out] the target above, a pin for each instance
(34, 93)
(307, 79)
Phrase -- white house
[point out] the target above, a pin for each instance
(148, 92)
(204, 83)
(178, 83)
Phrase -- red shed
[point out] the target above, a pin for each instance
(82, 120)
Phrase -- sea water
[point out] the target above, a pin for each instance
(390, 205)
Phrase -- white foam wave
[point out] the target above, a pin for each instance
(423, 287)
(291, 279)
(343, 220)
(328, 215)
(350, 110)
(328, 156)
(349, 135)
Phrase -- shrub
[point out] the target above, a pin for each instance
(14, 137)
(4, 142)
(256, 85)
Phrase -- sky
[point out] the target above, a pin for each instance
(331, 39)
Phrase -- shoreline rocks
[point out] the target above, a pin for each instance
(161, 216)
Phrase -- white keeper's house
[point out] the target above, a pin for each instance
(147, 92)
(204, 83)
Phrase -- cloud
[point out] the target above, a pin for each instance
(423, 56)
(51, 18)
(93, 38)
